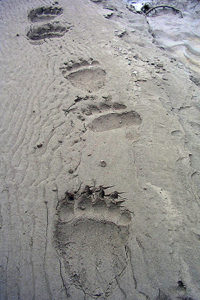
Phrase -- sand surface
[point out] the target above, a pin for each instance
(100, 167)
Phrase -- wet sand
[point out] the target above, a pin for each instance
(100, 160)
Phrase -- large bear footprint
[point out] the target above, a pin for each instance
(91, 235)
(86, 75)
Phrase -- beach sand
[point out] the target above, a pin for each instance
(100, 160)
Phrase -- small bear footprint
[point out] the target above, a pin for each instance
(109, 115)
(49, 30)
(44, 13)
(85, 74)
(102, 107)
(113, 120)
(91, 232)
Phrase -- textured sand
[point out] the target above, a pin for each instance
(88, 99)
